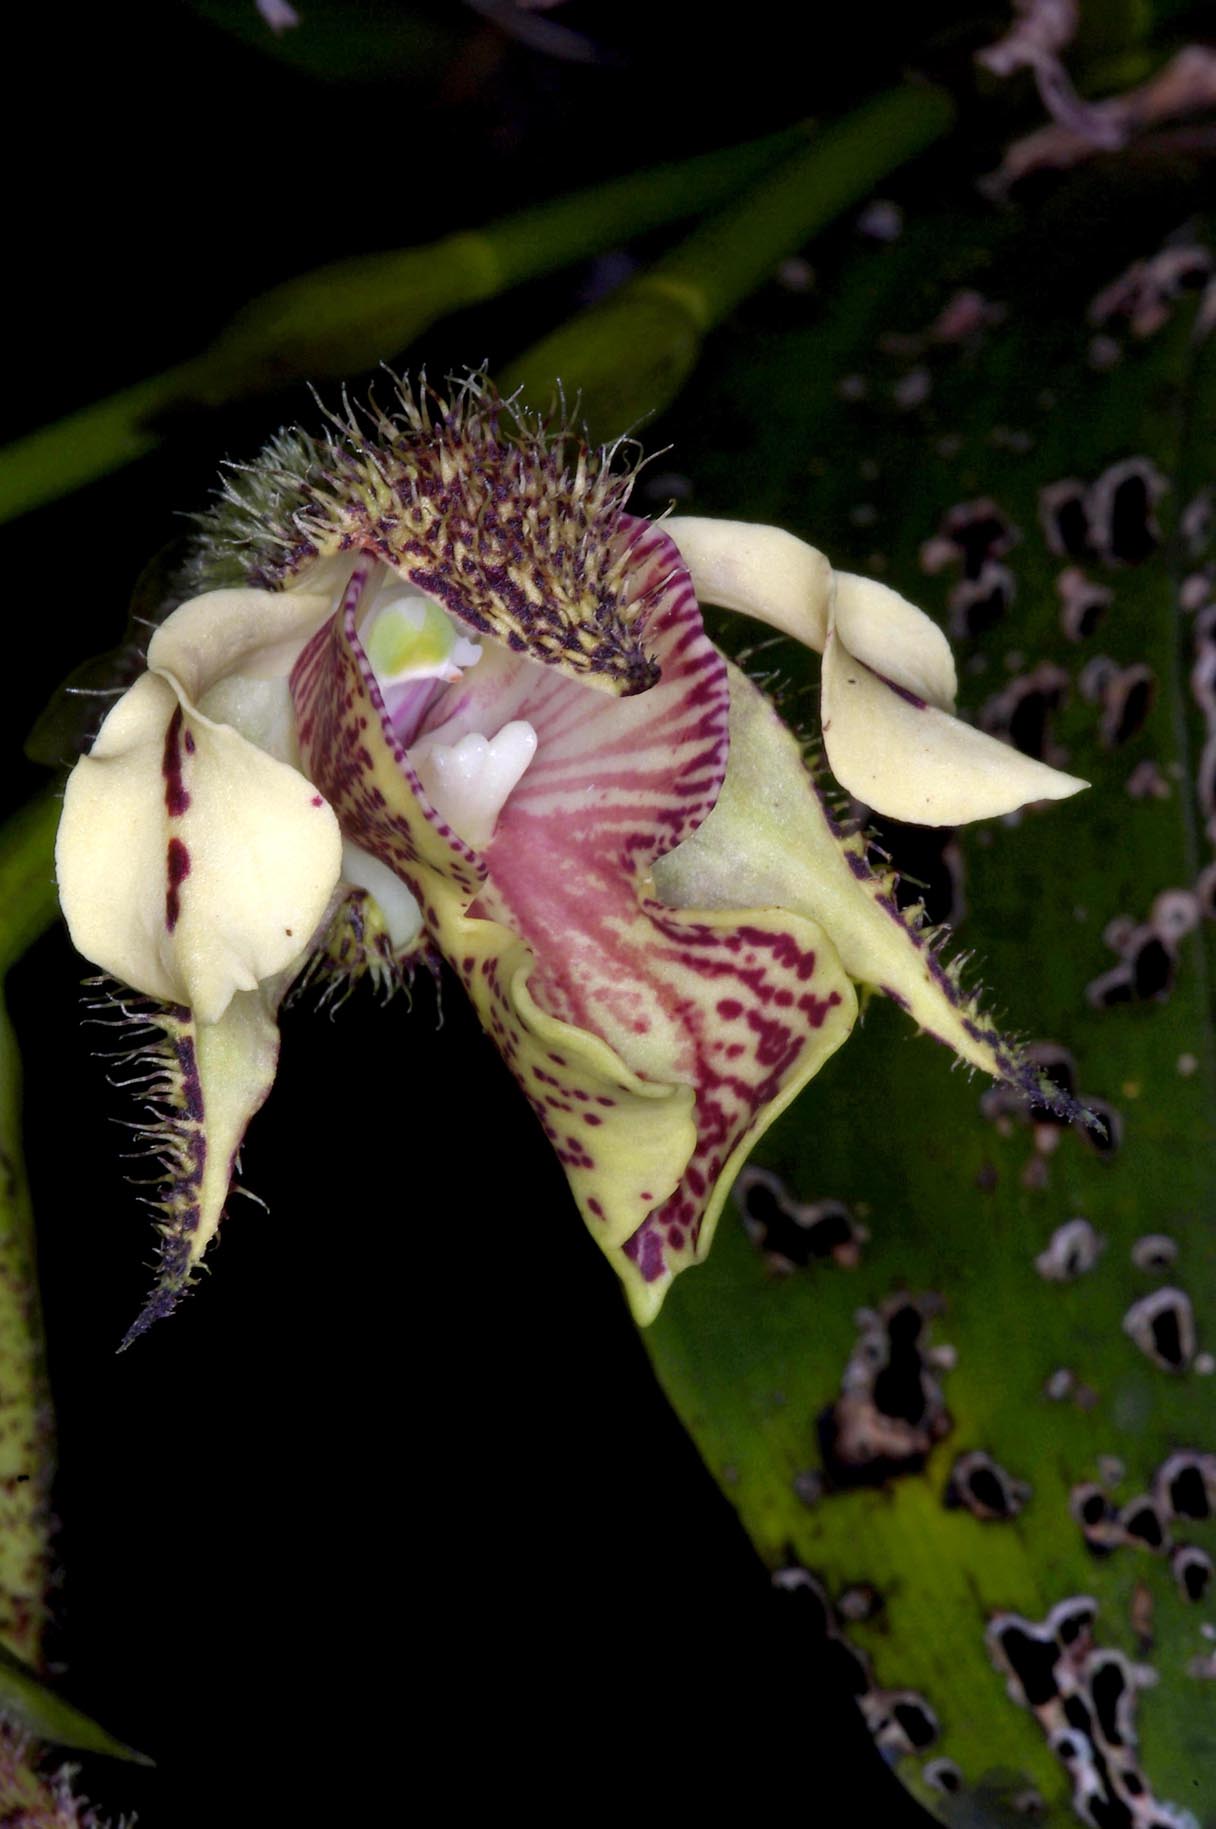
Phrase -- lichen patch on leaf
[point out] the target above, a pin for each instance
(901, 1721)
(1192, 1569)
(1083, 603)
(981, 1486)
(1084, 1698)
(1124, 697)
(1162, 1325)
(891, 1410)
(793, 1233)
(1073, 1249)
(1154, 1251)
(1022, 712)
(1148, 951)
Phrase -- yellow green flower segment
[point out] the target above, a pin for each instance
(433, 690)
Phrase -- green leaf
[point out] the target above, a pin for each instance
(27, 904)
(858, 427)
(627, 357)
(37, 1710)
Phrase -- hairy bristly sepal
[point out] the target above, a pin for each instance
(800, 858)
(201, 1083)
(511, 524)
(358, 947)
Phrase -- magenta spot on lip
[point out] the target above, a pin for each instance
(177, 869)
(317, 800)
(177, 799)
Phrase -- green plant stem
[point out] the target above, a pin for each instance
(350, 315)
(731, 255)
(28, 901)
(59, 458)
(27, 905)
(541, 240)
(628, 356)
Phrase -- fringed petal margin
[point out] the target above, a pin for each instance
(203, 1082)
(361, 942)
(888, 680)
(771, 838)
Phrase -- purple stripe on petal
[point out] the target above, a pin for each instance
(177, 798)
(177, 869)
(902, 692)
(749, 1046)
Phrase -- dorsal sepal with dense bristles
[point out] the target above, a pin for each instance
(511, 526)
(200, 1083)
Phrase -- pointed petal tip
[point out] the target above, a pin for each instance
(159, 1305)
(645, 1299)
(909, 760)
(1039, 1089)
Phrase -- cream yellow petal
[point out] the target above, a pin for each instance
(253, 633)
(905, 758)
(761, 571)
(894, 638)
(190, 864)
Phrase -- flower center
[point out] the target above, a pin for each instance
(416, 652)
(407, 637)
(469, 782)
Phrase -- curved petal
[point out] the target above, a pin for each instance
(888, 681)
(231, 653)
(191, 865)
(208, 1080)
(761, 571)
(904, 757)
(769, 574)
(763, 1002)
(894, 638)
(624, 1141)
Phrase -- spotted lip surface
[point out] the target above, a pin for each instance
(555, 921)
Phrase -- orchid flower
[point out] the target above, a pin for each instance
(438, 693)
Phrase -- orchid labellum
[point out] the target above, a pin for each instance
(436, 692)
